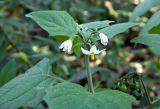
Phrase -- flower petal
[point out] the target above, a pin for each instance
(61, 46)
(93, 49)
(86, 52)
(65, 48)
(69, 48)
(99, 51)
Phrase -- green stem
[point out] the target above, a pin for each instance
(89, 75)
(93, 32)
(145, 90)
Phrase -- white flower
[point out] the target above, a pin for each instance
(66, 46)
(103, 38)
(92, 51)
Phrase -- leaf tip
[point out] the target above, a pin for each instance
(28, 15)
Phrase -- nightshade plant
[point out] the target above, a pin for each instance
(39, 83)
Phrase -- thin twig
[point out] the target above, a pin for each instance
(92, 33)
(145, 90)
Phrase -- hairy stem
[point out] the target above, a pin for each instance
(89, 75)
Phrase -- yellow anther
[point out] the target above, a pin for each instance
(92, 56)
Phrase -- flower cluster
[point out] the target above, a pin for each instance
(66, 46)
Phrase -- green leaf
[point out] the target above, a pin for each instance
(84, 33)
(155, 30)
(153, 21)
(143, 8)
(55, 22)
(27, 89)
(96, 24)
(8, 72)
(155, 104)
(113, 30)
(40, 106)
(61, 39)
(77, 44)
(73, 96)
(153, 41)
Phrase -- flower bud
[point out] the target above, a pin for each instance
(103, 39)
(66, 46)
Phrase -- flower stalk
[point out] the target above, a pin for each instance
(89, 75)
